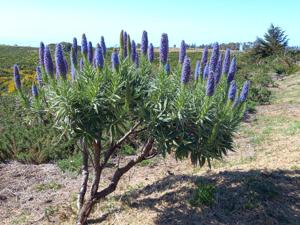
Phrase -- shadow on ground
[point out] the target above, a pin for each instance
(252, 197)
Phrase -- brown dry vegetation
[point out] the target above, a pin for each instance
(259, 183)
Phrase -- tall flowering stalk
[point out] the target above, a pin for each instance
(144, 43)
(115, 60)
(214, 57)
(84, 46)
(61, 70)
(210, 85)
(34, 91)
(81, 64)
(128, 46)
(17, 78)
(197, 70)
(186, 70)
(206, 72)
(151, 53)
(103, 45)
(49, 67)
(121, 51)
(74, 51)
(232, 70)
(136, 60)
(226, 63)
(204, 59)
(232, 91)
(133, 51)
(125, 44)
(90, 52)
(41, 54)
(39, 76)
(182, 52)
(218, 71)
(99, 59)
(245, 91)
(164, 49)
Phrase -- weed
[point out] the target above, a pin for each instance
(48, 186)
(203, 195)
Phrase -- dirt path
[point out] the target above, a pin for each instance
(258, 184)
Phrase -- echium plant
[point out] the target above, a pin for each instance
(130, 102)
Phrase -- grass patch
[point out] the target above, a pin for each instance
(48, 186)
(71, 164)
(203, 195)
(293, 129)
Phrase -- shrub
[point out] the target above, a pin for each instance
(203, 195)
(139, 105)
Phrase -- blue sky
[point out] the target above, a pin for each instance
(27, 22)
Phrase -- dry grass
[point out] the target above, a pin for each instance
(259, 183)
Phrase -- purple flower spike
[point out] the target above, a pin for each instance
(168, 68)
(133, 50)
(39, 76)
(204, 59)
(151, 53)
(74, 51)
(182, 52)
(66, 65)
(17, 77)
(49, 68)
(34, 91)
(73, 57)
(210, 85)
(137, 61)
(232, 91)
(144, 43)
(41, 54)
(186, 70)
(73, 72)
(103, 46)
(206, 71)
(61, 70)
(214, 58)
(164, 48)
(232, 70)
(197, 70)
(81, 64)
(84, 46)
(218, 71)
(115, 60)
(245, 91)
(125, 44)
(99, 59)
(226, 63)
(90, 52)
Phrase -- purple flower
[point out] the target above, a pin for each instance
(133, 50)
(168, 68)
(84, 46)
(41, 54)
(49, 68)
(164, 48)
(99, 59)
(125, 44)
(136, 60)
(226, 61)
(206, 71)
(73, 72)
(74, 53)
(204, 59)
(34, 91)
(232, 91)
(232, 70)
(39, 76)
(214, 58)
(151, 53)
(61, 70)
(81, 64)
(197, 70)
(144, 43)
(115, 60)
(103, 46)
(182, 52)
(210, 85)
(17, 77)
(186, 70)
(218, 71)
(244, 92)
(90, 52)
(128, 46)
(66, 65)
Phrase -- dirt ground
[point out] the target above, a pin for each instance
(257, 184)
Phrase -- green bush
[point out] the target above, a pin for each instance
(203, 195)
